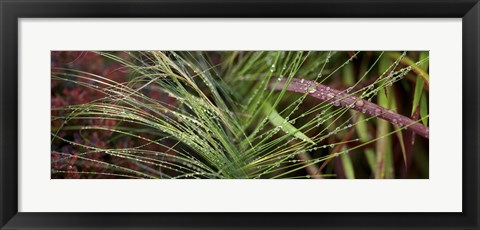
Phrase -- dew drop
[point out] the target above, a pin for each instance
(272, 68)
(359, 103)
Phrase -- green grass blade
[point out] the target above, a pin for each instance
(418, 93)
(383, 127)
(363, 134)
(419, 84)
(278, 121)
(360, 127)
(424, 110)
(348, 166)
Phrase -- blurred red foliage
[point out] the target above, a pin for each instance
(75, 161)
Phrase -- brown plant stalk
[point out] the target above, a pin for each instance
(342, 99)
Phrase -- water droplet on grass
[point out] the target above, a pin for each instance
(272, 68)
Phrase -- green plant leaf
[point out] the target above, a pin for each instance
(424, 110)
(360, 127)
(364, 136)
(418, 93)
(393, 104)
(347, 166)
(419, 83)
(277, 120)
(402, 144)
(383, 128)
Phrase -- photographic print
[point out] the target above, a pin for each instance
(239, 114)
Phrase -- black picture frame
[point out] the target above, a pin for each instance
(12, 10)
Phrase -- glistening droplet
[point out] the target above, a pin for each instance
(359, 103)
